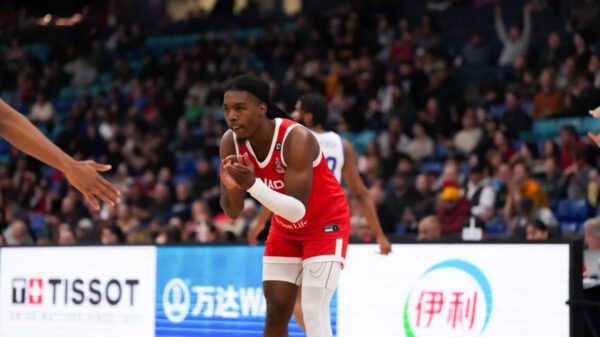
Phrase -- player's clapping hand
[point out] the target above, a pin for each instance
(241, 172)
(226, 178)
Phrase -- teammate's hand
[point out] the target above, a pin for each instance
(83, 175)
(242, 172)
(384, 245)
(226, 178)
(254, 232)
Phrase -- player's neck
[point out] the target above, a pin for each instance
(262, 138)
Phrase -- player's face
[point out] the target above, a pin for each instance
(243, 113)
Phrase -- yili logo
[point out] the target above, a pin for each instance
(451, 298)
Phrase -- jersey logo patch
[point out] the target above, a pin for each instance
(331, 228)
(278, 167)
(278, 146)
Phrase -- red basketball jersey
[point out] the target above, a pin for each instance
(327, 210)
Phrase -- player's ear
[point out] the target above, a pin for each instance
(263, 109)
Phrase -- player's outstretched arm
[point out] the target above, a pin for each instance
(232, 197)
(595, 137)
(83, 175)
(359, 191)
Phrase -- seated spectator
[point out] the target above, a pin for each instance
(424, 202)
(583, 97)
(553, 182)
(85, 232)
(577, 175)
(112, 235)
(66, 236)
(201, 227)
(82, 71)
(569, 140)
(548, 101)
(467, 139)
(591, 230)
(502, 145)
(475, 52)
(42, 112)
(393, 139)
(480, 194)
(527, 211)
(554, 54)
(421, 146)
(453, 209)
(537, 231)
(515, 119)
(17, 234)
(523, 186)
(429, 229)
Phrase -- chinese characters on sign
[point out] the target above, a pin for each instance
(458, 308)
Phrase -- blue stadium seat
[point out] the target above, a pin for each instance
(572, 210)
(186, 165)
(496, 226)
(432, 167)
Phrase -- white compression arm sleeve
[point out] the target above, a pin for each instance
(283, 205)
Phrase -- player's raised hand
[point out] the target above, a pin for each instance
(83, 175)
(226, 178)
(242, 172)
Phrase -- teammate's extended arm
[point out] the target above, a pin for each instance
(232, 197)
(260, 225)
(83, 175)
(359, 191)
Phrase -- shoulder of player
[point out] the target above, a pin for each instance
(299, 140)
(227, 144)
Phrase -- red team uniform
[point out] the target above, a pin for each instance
(322, 234)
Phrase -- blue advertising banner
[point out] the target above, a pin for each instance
(212, 291)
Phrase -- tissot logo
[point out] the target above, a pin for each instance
(57, 291)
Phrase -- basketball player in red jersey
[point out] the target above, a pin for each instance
(311, 111)
(279, 162)
(83, 175)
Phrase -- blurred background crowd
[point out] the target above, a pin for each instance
(464, 113)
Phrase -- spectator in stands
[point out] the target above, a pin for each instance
(84, 232)
(549, 101)
(514, 119)
(537, 231)
(112, 235)
(65, 235)
(233, 229)
(424, 202)
(82, 71)
(398, 197)
(421, 145)
(515, 43)
(42, 112)
(526, 211)
(554, 54)
(569, 140)
(2, 240)
(594, 69)
(577, 175)
(567, 75)
(201, 227)
(583, 97)
(480, 194)
(393, 139)
(413, 82)
(591, 230)
(467, 139)
(17, 234)
(523, 186)
(429, 229)
(553, 182)
(453, 209)
(503, 147)
(475, 53)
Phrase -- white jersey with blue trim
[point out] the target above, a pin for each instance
(333, 149)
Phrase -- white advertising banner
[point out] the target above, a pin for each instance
(447, 290)
(77, 291)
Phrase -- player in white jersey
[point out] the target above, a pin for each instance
(311, 110)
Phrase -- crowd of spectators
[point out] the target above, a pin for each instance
(437, 152)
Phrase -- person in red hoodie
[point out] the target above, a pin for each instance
(453, 209)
